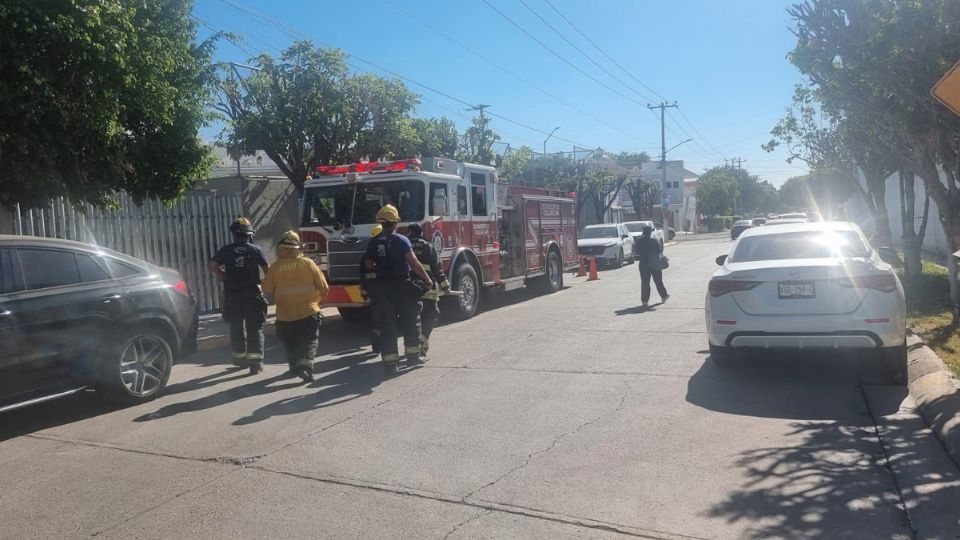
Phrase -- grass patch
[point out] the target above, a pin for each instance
(929, 313)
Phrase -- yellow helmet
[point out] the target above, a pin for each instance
(290, 239)
(241, 226)
(389, 214)
(377, 229)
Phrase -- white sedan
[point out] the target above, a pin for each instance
(610, 243)
(807, 286)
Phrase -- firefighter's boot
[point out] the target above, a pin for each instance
(412, 355)
(424, 346)
(390, 368)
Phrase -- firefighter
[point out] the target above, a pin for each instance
(244, 308)
(396, 298)
(298, 286)
(430, 259)
(365, 278)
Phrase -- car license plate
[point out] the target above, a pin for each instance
(797, 289)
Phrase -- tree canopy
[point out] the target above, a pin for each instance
(478, 142)
(717, 192)
(98, 96)
(304, 109)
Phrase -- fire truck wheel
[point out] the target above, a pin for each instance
(553, 280)
(464, 280)
(349, 314)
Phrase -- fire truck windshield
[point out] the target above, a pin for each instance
(329, 205)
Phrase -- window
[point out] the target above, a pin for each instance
(44, 268)
(462, 200)
(120, 269)
(438, 199)
(800, 245)
(331, 205)
(9, 275)
(478, 185)
(600, 232)
(91, 270)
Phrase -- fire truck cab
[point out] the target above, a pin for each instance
(490, 235)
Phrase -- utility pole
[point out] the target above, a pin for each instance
(663, 139)
(739, 162)
(547, 139)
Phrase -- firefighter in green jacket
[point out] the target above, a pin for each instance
(427, 254)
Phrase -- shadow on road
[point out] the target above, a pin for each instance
(638, 309)
(829, 479)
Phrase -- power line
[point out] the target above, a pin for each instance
(509, 72)
(560, 56)
(695, 130)
(579, 50)
(293, 32)
(607, 56)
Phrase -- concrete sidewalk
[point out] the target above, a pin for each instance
(214, 333)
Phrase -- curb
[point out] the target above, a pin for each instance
(936, 391)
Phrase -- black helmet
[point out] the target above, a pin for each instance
(241, 227)
(414, 230)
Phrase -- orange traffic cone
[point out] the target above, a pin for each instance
(581, 271)
(593, 270)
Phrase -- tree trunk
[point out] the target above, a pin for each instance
(911, 244)
(877, 185)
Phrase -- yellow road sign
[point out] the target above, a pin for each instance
(947, 89)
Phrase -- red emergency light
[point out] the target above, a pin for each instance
(369, 167)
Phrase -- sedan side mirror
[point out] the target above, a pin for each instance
(721, 259)
(624, 237)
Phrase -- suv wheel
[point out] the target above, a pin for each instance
(138, 367)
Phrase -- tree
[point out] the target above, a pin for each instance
(795, 194)
(478, 142)
(98, 96)
(631, 159)
(877, 60)
(716, 192)
(435, 138)
(645, 195)
(305, 110)
(516, 163)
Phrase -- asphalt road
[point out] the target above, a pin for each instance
(565, 416)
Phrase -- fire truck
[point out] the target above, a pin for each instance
(490, 235)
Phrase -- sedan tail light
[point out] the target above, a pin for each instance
(879, 282)
(720, 287)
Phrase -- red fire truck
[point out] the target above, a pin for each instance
(490, 235)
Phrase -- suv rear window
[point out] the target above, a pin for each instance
(800, 245)
(43, 268)
(91, 270)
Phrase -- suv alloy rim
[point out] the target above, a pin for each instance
(144, 364)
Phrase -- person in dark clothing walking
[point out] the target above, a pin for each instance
(430, 260)
(396, 298)
(244, 308)
(649, 255)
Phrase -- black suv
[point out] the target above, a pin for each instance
(75, 317)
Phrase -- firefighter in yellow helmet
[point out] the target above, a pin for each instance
(390, 258)
(238, 265)
(297, 286)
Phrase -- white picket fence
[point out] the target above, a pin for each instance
(182, 236)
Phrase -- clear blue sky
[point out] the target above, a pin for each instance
(723, 61)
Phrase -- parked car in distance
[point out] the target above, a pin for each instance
(75, 317)
(814, 216)
(794, 215)
(807, 286)
(668, 231)
(635, 228)
(738, 227)
(610, 243)
(757, 221)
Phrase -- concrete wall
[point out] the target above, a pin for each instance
(855, 210)
(271, 203)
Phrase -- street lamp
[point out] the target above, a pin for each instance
(547, 139)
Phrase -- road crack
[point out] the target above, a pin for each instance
(458, 526)
(621, 400)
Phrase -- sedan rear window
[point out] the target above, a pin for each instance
(800, 245)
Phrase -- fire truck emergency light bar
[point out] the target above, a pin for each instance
(373, 166)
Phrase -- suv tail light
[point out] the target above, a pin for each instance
(720, 287)
(879, 282)
(181, 287)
